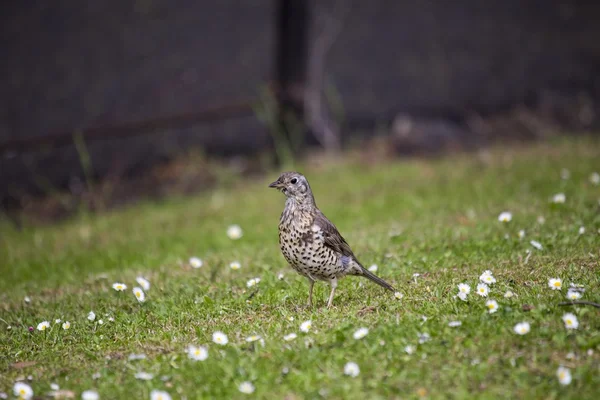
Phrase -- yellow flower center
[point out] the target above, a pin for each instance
(138, 294)
(557, 284)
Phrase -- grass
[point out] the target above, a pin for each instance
(435, 218)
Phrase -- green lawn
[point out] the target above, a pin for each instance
(436, 218)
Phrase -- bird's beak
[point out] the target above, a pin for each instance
(275, 185)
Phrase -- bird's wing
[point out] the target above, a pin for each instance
(332, 236)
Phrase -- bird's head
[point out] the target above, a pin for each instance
(295, 186)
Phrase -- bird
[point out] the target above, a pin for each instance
(311, 243)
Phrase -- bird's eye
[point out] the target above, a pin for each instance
(294, 181)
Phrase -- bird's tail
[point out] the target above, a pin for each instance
(369, 275)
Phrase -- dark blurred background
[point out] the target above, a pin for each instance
(107, 91)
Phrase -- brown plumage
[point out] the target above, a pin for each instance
(310, 242)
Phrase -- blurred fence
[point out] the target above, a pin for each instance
(153, 78)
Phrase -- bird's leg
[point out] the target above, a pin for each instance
(333, 284)
(311, 283)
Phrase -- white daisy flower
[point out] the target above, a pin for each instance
(581, 230)
(197, 353)
(280, 277)
(290, 337)
(23, 391)
(143, 282)
(143, 376)
(454, 324)
(559, 198)
(139, 294)
(159, 395)
(42, 326)
(100, 322)
(570, 321)
(235, 265)
(410, 349)
(487, 277)
(483, 289)
(66, 325)
(253, 338)
(351, 369)
(57, 321)
(234, 232)
(252, 282)
(373, 268)
(305, 326)
(464, 288)
(91, 316)
(565, 174)
(505, 216)
(220, 338)
(119, 287)
(195, 262)
(424, 337)
(573, 294)
(595, 178)
(555, 283)
(536, 244)
(246, 387)
(508, 294)
(398, 295)
(522, 328)
(111, 319)
(492, 306)
(27, 299)
(89, 395)
(521, 234)
(360, 333)
(564, 375)
(54, 386)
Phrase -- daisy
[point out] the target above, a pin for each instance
(57, 321)
(119, 287)
(66, 325)
(570, 321)
(23, 391)
(235, 265)
(424, 338)
(483, 289)
(89, 395)
(195, 262)
(564, 375)
(100, 322)
(27, 299)
(462, 296)
(398, 295)
(246, 387)
(351, 369)
(290, 336)
(159, 395)
(492, 306)
(143, 282)
(505, 216)
(42, 326)
(573, 294)
(464, 288)
(139, 294)
(559, 198)
(220, 338)
(361, 333)
(373, 268)
(536, 244)
(581, 230)
(555, 283)
(508, 294)
(487, 277)
(54, 386)
(565, 174)
(143, 376)
(595, 178)
(91, 316)
(305, 326)
(234, 232)
(199, 353)
(454, 324)
(521, 234)
(280, 277)
(522, 328)
(410, 349)
(253, 338)
(252, 282)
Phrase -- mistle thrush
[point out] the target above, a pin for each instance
(310, 243)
